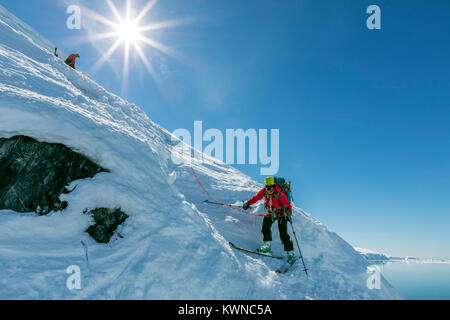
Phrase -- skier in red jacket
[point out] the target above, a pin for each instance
(278, 208)
(70, 61)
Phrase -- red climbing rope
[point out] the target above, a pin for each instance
(198, 180)
(250, 214)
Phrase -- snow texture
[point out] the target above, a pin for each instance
(174, 245)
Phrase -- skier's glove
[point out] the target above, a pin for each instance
(287, 213)
(246, 206)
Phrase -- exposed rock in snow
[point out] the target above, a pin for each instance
(106, 223)
(33, 175)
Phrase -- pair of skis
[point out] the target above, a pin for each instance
(285, 268)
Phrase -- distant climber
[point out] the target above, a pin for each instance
(278, 208)
(56, 52)
(70, 61)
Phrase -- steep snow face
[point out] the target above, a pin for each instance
(174, 245)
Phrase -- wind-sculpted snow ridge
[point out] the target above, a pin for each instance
(173, 245)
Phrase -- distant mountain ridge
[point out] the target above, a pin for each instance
(383, 257)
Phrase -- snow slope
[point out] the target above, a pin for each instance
(174, 246)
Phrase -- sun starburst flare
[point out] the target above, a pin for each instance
(129, 33)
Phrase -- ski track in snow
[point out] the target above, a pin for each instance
(175, 246)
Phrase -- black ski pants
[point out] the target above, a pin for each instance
(70, 63)
(282, 228)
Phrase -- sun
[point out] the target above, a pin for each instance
(130, 34)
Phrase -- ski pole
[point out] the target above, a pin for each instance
(298, 246)
(221, 204)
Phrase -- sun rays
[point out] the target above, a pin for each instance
(127, 32)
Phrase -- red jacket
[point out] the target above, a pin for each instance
(275, 203)
(72, 57)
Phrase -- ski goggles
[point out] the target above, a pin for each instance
(271, 187)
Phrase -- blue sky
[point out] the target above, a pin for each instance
(363, 114)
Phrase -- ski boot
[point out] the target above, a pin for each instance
(266, 248)
(290, 257)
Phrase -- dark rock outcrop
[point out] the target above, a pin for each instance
(34, 174)
(106, 223)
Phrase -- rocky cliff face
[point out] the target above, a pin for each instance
(34, 174)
